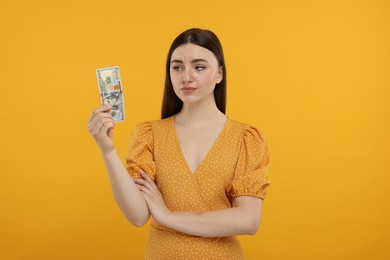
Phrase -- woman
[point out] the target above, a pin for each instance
(201, 175)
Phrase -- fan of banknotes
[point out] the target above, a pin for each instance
(110, 87)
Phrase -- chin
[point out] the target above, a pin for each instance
(189, 100)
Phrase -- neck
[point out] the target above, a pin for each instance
(200, 112)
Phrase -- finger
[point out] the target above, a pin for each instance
(139, 181)
(148, 185)
(98, 111)
(102, 121)
(102, 126)
(95, 128)
(97, 123)
(138, 186)
(103, 132)
(97, 118)
(146, 192)
(148, 179)
(107, 124)
(104, 108)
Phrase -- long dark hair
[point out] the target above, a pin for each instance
(171, 104)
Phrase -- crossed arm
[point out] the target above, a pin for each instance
(243, 218)
(138, 198)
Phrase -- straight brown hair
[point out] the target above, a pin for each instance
(171, 104)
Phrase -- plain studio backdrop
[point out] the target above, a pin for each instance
(312, 75)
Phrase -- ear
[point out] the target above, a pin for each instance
(220, 75)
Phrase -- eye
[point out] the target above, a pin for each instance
(177, 68)
(199, 67)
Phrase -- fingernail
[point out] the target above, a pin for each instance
(109, 106)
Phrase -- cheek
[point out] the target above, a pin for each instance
(209, 79)
(175, 84)
(174, 76)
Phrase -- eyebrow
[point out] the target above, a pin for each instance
(193, 61)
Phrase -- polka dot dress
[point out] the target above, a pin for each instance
(236, 165)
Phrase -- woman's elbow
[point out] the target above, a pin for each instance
(253, 229)
(252, 226)
(136, 218)
(139, 221)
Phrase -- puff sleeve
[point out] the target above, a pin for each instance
(251, 174)
(140, 151)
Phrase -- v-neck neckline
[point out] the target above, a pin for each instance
(183, 158)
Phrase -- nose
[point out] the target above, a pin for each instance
(187, 76)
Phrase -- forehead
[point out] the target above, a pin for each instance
(189, 51)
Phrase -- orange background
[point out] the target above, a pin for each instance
(312, 75)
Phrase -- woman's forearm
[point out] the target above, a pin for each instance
(243, 218)
(126, 194)
(218, 223)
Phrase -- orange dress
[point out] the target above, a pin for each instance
(236, 165)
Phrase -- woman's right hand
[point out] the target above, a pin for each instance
(101, 126)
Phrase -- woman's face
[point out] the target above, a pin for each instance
(194, 72)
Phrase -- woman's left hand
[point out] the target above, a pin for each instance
(153, 198)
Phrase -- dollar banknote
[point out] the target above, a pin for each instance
(110, 87)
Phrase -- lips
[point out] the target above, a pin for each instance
(188, 89)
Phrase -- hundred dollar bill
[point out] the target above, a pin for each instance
(110, 87)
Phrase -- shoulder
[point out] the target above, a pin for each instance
(154, 125)
(247, 130)
(149, 131)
